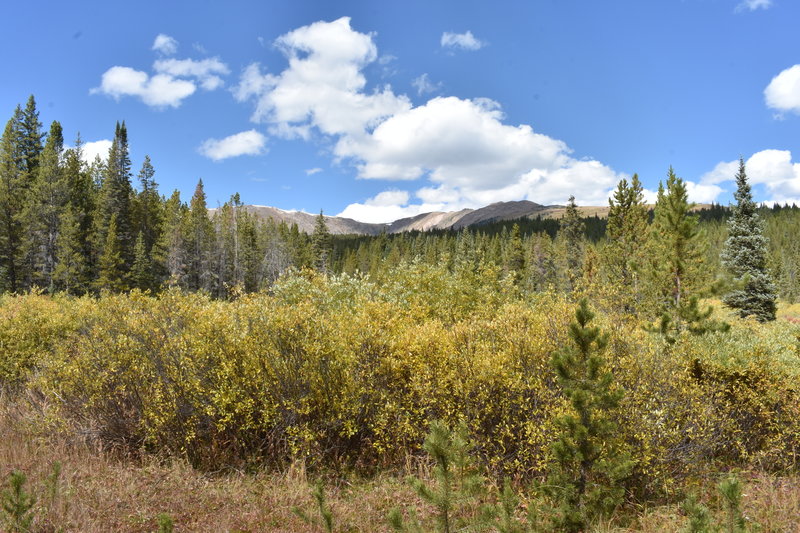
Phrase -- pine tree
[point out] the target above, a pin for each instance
(589, 460)
(70, 271)
(572, 234)
(321, 245)
(12, 198)
(627, 233)
(170, 252)
(200, 235)
(515, 255)
(148, 206)
(42, 214)
(676, 260)
(142, 269)
(115, 198)
(31, 136)
(111, 276)
(457, 482)
(81, 198)
(745, 256)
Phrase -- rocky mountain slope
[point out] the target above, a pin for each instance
(426, 221)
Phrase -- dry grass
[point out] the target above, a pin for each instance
(101, 491)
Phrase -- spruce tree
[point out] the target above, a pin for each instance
(589, 461)
(745, 256)
(321, 245)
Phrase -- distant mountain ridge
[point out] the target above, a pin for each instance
(426, 221)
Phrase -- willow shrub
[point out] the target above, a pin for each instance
(346, 371)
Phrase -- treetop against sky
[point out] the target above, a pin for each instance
(378, 111)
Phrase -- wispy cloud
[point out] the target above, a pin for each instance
(424, 85)
(164, 44)
(752, 5)
(312, 171)
(464, 41)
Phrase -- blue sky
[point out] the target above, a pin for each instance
(378, 110)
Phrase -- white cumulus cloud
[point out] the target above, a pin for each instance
(323, 85)
(160, 90)
(464, 41)
(783, 92)
(774, 169)
(248, 142)
(91, 150)
(172, 81)
(461, 152)
(165, 44)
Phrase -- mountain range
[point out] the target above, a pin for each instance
(427, 221)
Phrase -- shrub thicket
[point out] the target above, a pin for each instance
(345, 371)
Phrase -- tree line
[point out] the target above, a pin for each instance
(78, 227)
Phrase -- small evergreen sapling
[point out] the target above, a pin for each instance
(17, 504)
(589, 461)
(457, 482)
(325, 519)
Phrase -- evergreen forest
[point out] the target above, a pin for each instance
(631, 373)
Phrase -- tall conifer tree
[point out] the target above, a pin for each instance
(572, 234)
(321, 245)
(626, 233)
(47, 200)
(745, 256)
(12, 196)
(200, 235)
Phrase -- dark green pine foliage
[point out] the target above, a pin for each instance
(110, 263)
(572, 233)
(457, 483)
(12, 196)
(46, 203)
(115, 199)
(31, 136)
(81, 198)
(142, 269)
(677, 263)
(200, 240)
(148, 206)
(626, 233)
(321, 245)
(148, 220)
(515, 255)
(745, 256)
(70, 274)
(589, 461)
(170, 253)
